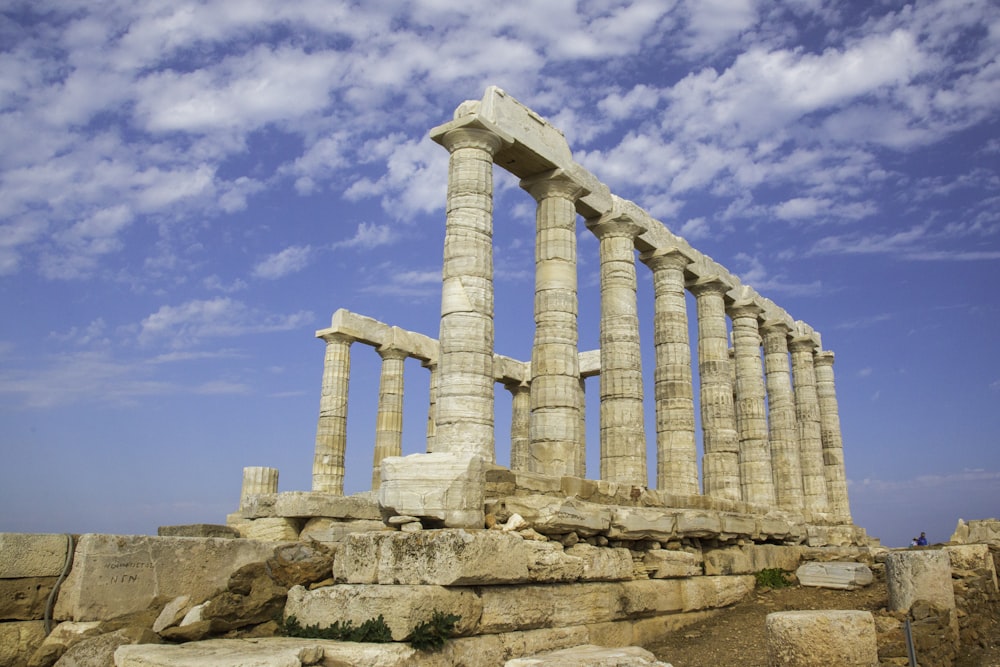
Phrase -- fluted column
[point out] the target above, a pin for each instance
(555, 368)
(623, 436)
(465, 380)
(783, 430)
(520, 420)
(580, 469)
(676, 444)
(257, 480)
(751, 406)
(389, 418)
(807, 414)
(331, 431)
(720, 465)
(431, 366)
(833, 442)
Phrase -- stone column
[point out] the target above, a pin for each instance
(331, 431)
(257, 480)
(783, 425)
(751, 406)
(833, 442)
(555, 368)
(520, 420)
(807, 414)
(465, 381)
(432, 366)
(581, 449)
(389, 419)
(676, 445)
(623, 435)
(720, 465)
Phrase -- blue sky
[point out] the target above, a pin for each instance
(188, 190)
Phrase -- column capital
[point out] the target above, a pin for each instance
(622, 226)
(743, 309)
(665, 258)
(554, 183)
(823, 358)
(392, 352)
(514, 386)
(775, 326)
(335, 336)
(472, 137)
(803, 344)
(709, 285)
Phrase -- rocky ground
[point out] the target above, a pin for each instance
(736, 635)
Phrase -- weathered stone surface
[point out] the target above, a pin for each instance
(270, 652)
(114, 575)
(973, 558)
(556, 516)
(589, 655)
(297, 563)
(303, 504)
(977, 531)
(402, 607)
(846, 576)
(270, 529)
(172, 613)
(32, 555)
(100, 651)
(445, 487)
(737, 525)
(751, 558)
(667, 564)
(638, 523)
(25, 599)
(697, 523)
(18, 640)
(602, 563)
(810, 638)
(62, 637)
(334, 530)
(919, 575)
(197, 530)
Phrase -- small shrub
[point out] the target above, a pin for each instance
(372, 630)
(771, 577)
(431, 635)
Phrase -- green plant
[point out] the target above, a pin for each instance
(432, 634)
(372, 630)
(771, 577)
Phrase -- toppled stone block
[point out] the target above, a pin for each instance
(667, 564)
(557, 516)
(442, 487)
(32, 555)
(919, 575)
(589, 655)
(845, 576)
(810, 638)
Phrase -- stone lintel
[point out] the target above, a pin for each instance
(590, 363)
(308, 504)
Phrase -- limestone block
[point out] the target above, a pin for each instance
(846, 576)
(61, 638)
(773, 528)
(32, 555)
(533, 482)
(977, 531)
(698, 523)
(403, 607)
(973, 557)
(25, 599)
(548, 562)
(519, 607)
(713, 592)
(172, 613)
(557, 516)
(648, 631)
(114, 575)
(639, 523)
(809, 638)
(310, 504)
(271, 529)
(18, 640)
(268, 652)
(603, 563)
(326, 530)
(737, 525)
(197, 530)
(442, 486)
(667, 564)
(99, 651)
(919, 575)
(589, 655)
(751, 558)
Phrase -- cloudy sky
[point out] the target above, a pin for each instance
(188, 190)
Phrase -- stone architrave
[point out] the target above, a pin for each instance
(555, 367)
(389, 419)
(783, 427)
(623, 436)
(432, 366)
(807, 414)
(720, 466)
(465, 366)
(676, 444)
(826, 637)
(755, 449)
(520, 419)
(331, 431)
(833, 441)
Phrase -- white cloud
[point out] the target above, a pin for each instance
(289, 260)
(369, 235)
(191, 322)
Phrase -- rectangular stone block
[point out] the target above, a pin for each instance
(666, 564)
(844, 576)
(511, 608)
(25, 599)
(117, 574)
(752, 558)
(302, 504)
(32, 555)
(557, 516)
(698, 523)
(737, 525)
(334, 530)
(441, 487)
(639, 523)
(603, 563)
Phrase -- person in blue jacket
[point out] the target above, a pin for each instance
(922, 540)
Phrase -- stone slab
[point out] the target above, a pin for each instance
(666, 564)
(269, 652)
(303, 504)
(752, 558)
(115, 574)
(844, 576)
(589, 655)
(198, 530)
(557, 516)
(327, 530)
(642, 523)
(32, 555)
(809, 638)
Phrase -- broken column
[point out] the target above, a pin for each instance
(331, 431)
(257, 480)
(783, 430)
(833, 441)
(623, 436)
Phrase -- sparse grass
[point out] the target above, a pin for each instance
(372, 630)
(771, 577)
(431, 635)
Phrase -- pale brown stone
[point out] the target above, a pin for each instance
(810, 638)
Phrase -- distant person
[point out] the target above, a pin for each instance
(922, 540)
(914, 542)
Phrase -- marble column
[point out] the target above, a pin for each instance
(833, 442)
(389, 418)
(581, 450)
(257, 480)
(783, 430)
(807, 414)
(520, 421)
(676, 444)
(555, 368)
(331, 431)
(751, 406)
(465, 368)
(720, 465)
(432, 366)
(623, 435)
